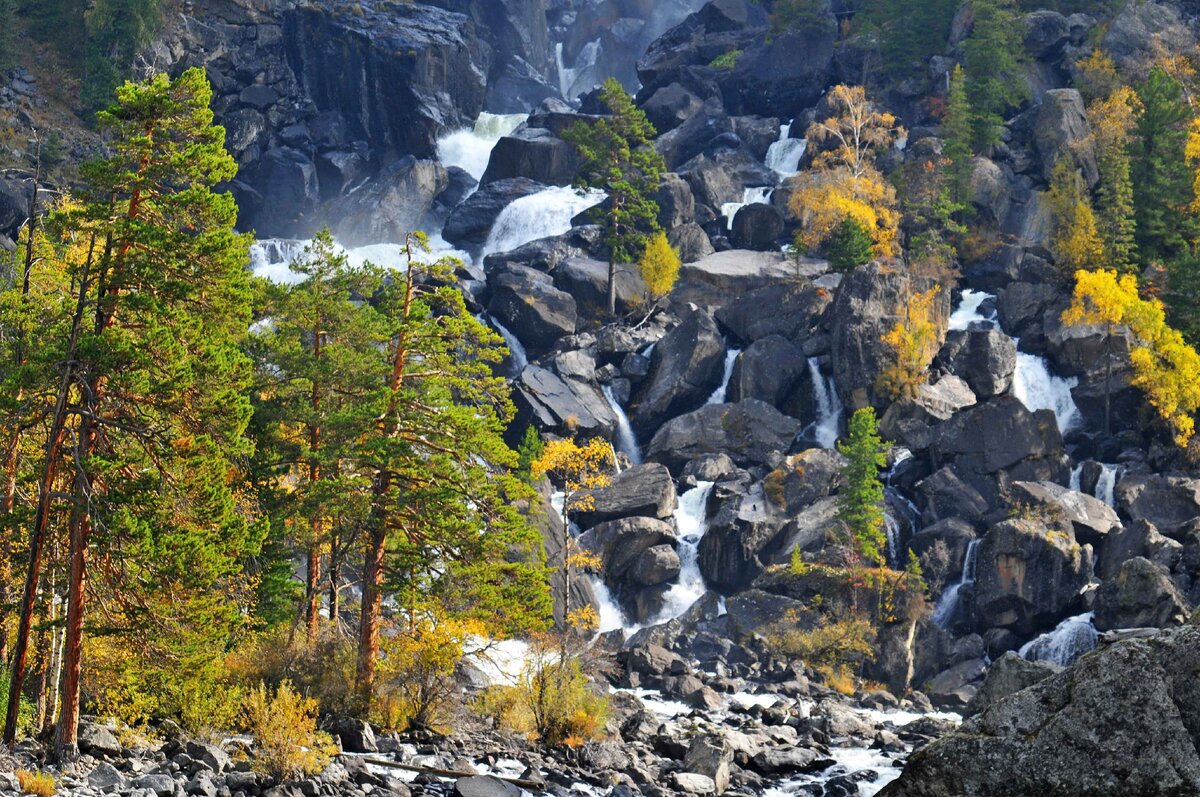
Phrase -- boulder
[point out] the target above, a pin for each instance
(485, 786)
(726, 276)
(957, 685)
(1061, 130)
(711, 756)
(158, 784)
(769, 369)
(1091, 518)
(533, 153)
(676, 205)
(753, 609)
(743, 528)
(1126, 714)
(621, 544)
(952, 532)
(758, 227)
(1046, 32)
(787, 761)
(671, 106)
(692, 242)
(97, 740)
(1140, 595)
(749, 432)
(528, 305)
(356, 736)
(912, 420)
(569, 405)
(1008, 675)
(1133, 34)
(991, 190)
(587, 281)
(657, 565)
(1137, 539)
(1170, 503)
(210, 755)
(945, 496)
(1028, 575)
(471, 222)
(693, 783)
(106, 778)
(790, 310)
(986, 359)
(643, 490)
(686, 367)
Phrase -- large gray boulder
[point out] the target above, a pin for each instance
(790, 310)
(528, 305)
(1028, 574)
(566, 405)
(946, 496)
(1091, 518)
(1135, 32)
(1061, 131)
(631, 552)
(1170, 503)
(1122, 721)
(534, 153)
(770, 369)
(711, 756)
(1137, 539)
(749, 432)
(1139, 595)
(1008, 675)
(912, 420)
(757, 226)
(685, 368)
(587, 280)
(986, 359)
(643, 490)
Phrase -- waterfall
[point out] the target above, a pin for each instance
(751, 196)
(691, 521)
(718, 395)
(948, 603)
(785, 154)
(542, 215)
(1033, 384)
(272, 258)
(627, 441)
(568, 77)
(517, 357)
(1068, 641)
(1077, 478)
(829, 406)
(470, 149)
(1106, 485)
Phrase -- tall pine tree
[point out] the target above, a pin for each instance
(1162, 183)
(994, 53)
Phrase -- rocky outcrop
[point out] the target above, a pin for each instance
(1121, 721)
(1091, 518)
(643, 491)
(529, 306)
(749, 432)
(568, 405)
(1170, 503)
(685, 368)
(1139, 595)
(985, 359)
(1008, 675)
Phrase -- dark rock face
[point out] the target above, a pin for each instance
(1127, 714)
(637, 553)
(1091, 518)
(685, 368)
(985, 359)
(1137, 539)
(553, 402)
(758, 227)
(1028, 575)
(1061, 131)
(643, 490)
(587, 281)
(529, 305)
(790, 311)
(534, 153)
(470, 223)
(1170, 503)
(769, 370)
(1008, 675)
(1139, 595)
(749, 432)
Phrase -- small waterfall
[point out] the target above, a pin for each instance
(627, 442)
(829, 406)
(784, 155)
(517, 357)
(947, 605)
(718, 396)
(1077, 478)
(569, 77)
(691, 520)
(272, 258)
(1038, 389)
(899, 514)
(542, 215)
(1067, 642)
(751, 196)
(1106, 485)
(967, 315)
(470, 149)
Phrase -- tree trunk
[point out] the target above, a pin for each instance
(67, 740)
(372, 605)
(313, 604)
(612, 286)
(1108, 355)
(335, 567)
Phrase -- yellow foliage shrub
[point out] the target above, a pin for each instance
(914, 342)
(416, 672)
(659, 266)
(284, 726)
(40, 783)
(834, 648)
(324, 669)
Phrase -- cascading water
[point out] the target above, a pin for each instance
(947, 605)
(1069, 640)
(542, 215)
(611, 617)
(627, 442)
(719, 395)
(784, 155)
(691, 520)
(750, 196)
(571, 79)
(1033, 383)
(1106, 485)
(471, 149)
(272, 257)
(829, 407)
(517, 357)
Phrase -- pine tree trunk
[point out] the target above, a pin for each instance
(335, 567)
(372, 606)
(67, 740)
(313, 604)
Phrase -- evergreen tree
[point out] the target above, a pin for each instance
(1075, 239)
(616, 155)
(911, 33)
(860, 503)
(1161, 182)
(957, 134)
(994, 53)
(153, 384)
(1113, 119)
(116, 31)
(8, 34)
(849, 247)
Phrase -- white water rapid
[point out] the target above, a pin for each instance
(517, 357)
(1068, 641)
(627, 442)
(470, 149)
(750, 196)
(721, 393)
(691, 519)
(784, 155)
(948, 603)
(829, 406)
(541, 215)
(1033, 383)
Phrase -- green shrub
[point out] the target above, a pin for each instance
(727, 60)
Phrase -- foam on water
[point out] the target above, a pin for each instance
(470, 149)
(719, 395)
(691, 518)
(829, 406)
(784, 155)
(627, 441)
(542, 215)
(1069, 640)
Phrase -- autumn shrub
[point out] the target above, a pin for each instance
(284, 725)
(835, 647)
(40, 783)
(323, 669)
(417, 685)
(914, 343)
(27, 716)
(659, 266)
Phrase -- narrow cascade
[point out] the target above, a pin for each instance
(470, 149)
(542, 215)
(719, 395)
(1106, 485)
(517, 357)
(611, 616)
(272, 257)
(1033, 383)
(627, 442)
(784, 155)
(568, 77)
(751, 196)
(692, 521)
(899, 513)
(1077, 478)
(948, 603)
(1069, 640)
(829, 406)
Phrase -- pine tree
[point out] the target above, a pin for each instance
(8, 35)
(860, 503)
(994, 53)
(957, 134)
(849, 247)
(1162, 186)
(911, 33)
(154, 373)
(1113, 120)
(616, 155)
